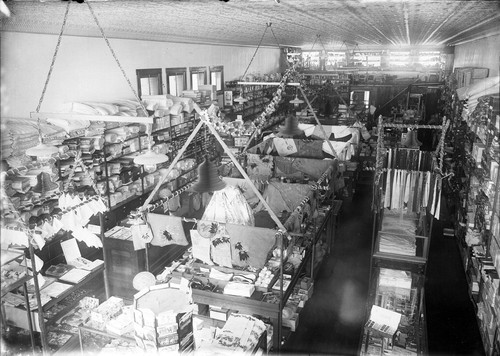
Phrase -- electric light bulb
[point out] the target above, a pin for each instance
(150, 168)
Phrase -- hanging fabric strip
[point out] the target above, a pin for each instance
(387, 199)
(403, 190)
(394, 189)
(426, 189)
(438, 206)
(420, 189)
(408, 159)
(433, 206)
(407, 188)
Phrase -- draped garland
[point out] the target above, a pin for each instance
(237, 128)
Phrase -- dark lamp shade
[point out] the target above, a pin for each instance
(291, 127)
(44, 184)
(208, 178)
(411, 140)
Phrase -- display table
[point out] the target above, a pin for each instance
(90, 330)
(244, 306)
(255, 305)
(262, 344)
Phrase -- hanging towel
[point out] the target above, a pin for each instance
(201, 247)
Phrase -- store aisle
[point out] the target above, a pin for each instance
(331, 322)
(452, 327)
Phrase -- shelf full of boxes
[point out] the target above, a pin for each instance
(475, 185)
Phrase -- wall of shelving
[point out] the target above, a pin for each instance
(92, 74)
(472, 196)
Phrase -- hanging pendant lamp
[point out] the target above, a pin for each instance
(296, 101)
(291, 127)
(150, 159)
(42, 151)
(208, 178)
(240, 99)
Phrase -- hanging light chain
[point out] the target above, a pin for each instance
(258, 46)
(53, 58)
(317, 36)
(116, 58)
(277, 42)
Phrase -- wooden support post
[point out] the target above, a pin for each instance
(41, 321)
(104, 257)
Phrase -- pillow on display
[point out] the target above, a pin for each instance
(167, 230)
(250, 245)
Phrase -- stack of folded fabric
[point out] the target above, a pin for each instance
(20, 134)
(399, 245)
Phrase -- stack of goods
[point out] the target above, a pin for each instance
(115, 108)
(301, 293)
(241, 334)
(105, 312)
(20, 134)
(398, 235)
(195, 95)
(13, 271)
(163, 318)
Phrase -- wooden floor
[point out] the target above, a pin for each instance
(331, 322)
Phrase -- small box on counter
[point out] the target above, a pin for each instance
(219, 313)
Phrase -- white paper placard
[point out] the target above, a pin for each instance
(71, 250)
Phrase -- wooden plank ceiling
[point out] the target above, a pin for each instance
(309, 24)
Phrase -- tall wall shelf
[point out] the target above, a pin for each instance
(472, 195)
